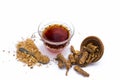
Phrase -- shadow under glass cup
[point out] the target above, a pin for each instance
(56, 35)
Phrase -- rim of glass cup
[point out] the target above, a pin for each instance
(68, 25)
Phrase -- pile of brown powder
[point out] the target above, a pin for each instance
(28, 53)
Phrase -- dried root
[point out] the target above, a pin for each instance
(62, 62)
(81, 71)
(83, 57)
(72, 58)
(87, 55)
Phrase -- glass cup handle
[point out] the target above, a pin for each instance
(35, 36)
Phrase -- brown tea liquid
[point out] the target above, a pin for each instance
(56, 33)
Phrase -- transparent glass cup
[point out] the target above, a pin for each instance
(55, 46)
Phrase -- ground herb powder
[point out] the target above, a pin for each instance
(28, 53)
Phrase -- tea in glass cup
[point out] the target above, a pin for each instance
(56, 35)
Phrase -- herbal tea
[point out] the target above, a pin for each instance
(56, 33)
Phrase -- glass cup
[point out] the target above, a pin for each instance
(56, 35)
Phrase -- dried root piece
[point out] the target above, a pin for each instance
(72, 49)
(81, 71)
(61, 64)
(87, 49)
(28, 53)
(62, 61)
(88, 59)
(92, 47)
(68, 66)
(61, 57)
(74, 56)
(77, 52)
(71, 57)
(83, 58)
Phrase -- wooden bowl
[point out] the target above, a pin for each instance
(95, 41)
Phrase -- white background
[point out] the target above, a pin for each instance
(20, 18)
